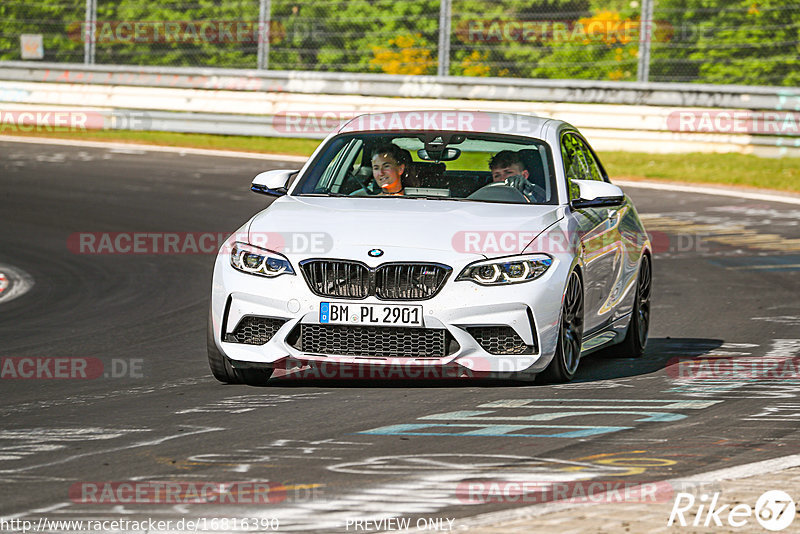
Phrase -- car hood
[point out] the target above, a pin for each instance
(403, 228)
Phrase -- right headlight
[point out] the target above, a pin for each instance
(511, 270)
(254, 260)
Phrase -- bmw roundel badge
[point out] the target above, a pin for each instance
(375, 253)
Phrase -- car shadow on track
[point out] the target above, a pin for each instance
(661, 353)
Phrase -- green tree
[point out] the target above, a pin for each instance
(58, 23)
(341, 35)
(529, 39)
(213, 49)
(750, 42)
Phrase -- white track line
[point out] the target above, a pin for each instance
(729, 473)
(146, 443)
(786, 198)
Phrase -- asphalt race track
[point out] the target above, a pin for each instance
(718, 386)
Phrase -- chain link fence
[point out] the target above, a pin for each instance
(747, 42)
(750, 42)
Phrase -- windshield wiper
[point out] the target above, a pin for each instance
(434, 197)
(323, 195)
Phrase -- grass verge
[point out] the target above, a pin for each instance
(743, 170)
(264, 145)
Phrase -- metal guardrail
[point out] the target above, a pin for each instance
(614, 116)
(508, 89)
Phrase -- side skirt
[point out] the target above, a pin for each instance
(611, 334)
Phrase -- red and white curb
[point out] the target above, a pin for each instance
(13, 283)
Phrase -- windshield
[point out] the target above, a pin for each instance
(434, 165)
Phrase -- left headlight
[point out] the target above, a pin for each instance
(512, 270)
(258, 261)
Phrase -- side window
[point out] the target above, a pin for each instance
(579, 163)
(594, 167)
(335, 173)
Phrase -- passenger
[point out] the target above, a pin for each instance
(507, 167)
(389, 167)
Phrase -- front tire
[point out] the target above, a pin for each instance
(221, 366)
(570, 335)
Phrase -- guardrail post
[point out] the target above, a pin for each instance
(90, 27)
(264, 33)
(444, 38)
(645, 39)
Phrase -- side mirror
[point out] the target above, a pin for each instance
(596, 194)
(272, 182)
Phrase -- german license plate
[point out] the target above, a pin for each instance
(370, 314)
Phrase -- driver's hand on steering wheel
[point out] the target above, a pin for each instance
(521, 184)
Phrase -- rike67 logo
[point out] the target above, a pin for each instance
(774, 510)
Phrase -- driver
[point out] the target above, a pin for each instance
(507, 167)
(389, 171)
(389, 168)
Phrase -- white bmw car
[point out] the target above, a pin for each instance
(433, 244)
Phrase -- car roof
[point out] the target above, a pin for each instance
(449, 120)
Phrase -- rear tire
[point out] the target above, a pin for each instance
(570, 335)
(636, 338)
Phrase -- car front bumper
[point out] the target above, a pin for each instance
(532, 309)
